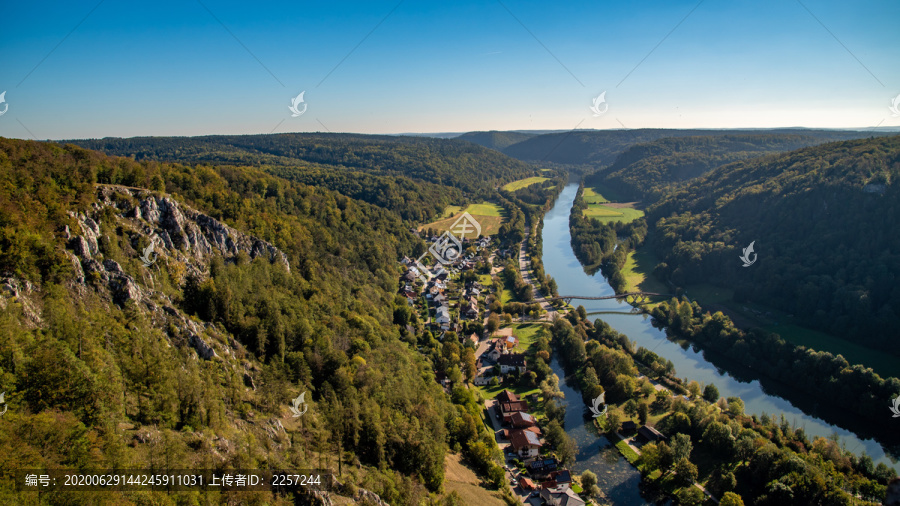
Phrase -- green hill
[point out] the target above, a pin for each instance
(647, 171)
(259, 289)
(415, 176)
(602, 147)
(494, 139)
(824, 221)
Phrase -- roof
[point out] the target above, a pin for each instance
(512, 407)
(507, 396)
(513, 360)
(561, 476)
(650, 433)
(523, 438)
(521, 417)
(628, 425)
(565, 497)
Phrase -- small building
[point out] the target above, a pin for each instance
(507, 396)
(525, 443)
(629, 426)
(561, 496)
(541, 466)
(526, 484)
(508, 408)
(650, 434)
(512, 362)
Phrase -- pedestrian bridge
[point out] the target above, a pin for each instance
(629, 297)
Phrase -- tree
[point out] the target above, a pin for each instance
(731, 499)
(681, 446)
(469, 364)
(643, 411)
(735, 406)
(613, 421)
(650, 457)
(561, 442)
(589, 482)
(686, 472)
(666, 456)
(493, 323)
(711, 393)
(690, 496)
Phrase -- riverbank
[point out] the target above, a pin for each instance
(689, 362)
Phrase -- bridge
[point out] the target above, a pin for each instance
(636, 297)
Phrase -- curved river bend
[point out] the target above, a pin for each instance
(617, 478)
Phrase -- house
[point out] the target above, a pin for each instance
(521, 419)
(493, 352)
(557, 478)
(483, 378)
(442, 317)
(650, 434)
(525, 443)
(561, 497)
(474, 338)
(545, 465)
(442, 379)
(509, 343)
(508, 408)
(512, 362)
(628, 426)
(507, 396)
(526, 484)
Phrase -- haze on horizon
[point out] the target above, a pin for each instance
(86, 69)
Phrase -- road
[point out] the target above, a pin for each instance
(525, 271)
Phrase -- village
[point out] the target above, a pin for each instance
(453, 299)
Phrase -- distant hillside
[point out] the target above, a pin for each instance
(646, 171)
(602, 147)
(415, 176)
(824, 221)
(494, 139)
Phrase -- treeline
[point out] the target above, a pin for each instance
(824, 222)
(414, 176)
(820, 375)
(597, 244)
(535, 254)
(710, 439)
(599, 148)
(650, 170)
(76, 367)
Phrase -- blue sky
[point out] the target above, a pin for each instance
(171, 68)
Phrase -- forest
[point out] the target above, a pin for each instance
(599, 148)
(823, 223)
(741, 459)
(646, 172)
(414, 176)
(93, 382)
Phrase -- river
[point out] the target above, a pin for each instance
(620, 483)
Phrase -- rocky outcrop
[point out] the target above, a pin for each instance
(183, 231)
(178, 235)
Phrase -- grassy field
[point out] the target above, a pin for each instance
(638, 273)
(883, 364)
(489, 216)
(462, 480)
(603, 209)
(527, 334)
(523, 183)
(608, 214)
(592, 197)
